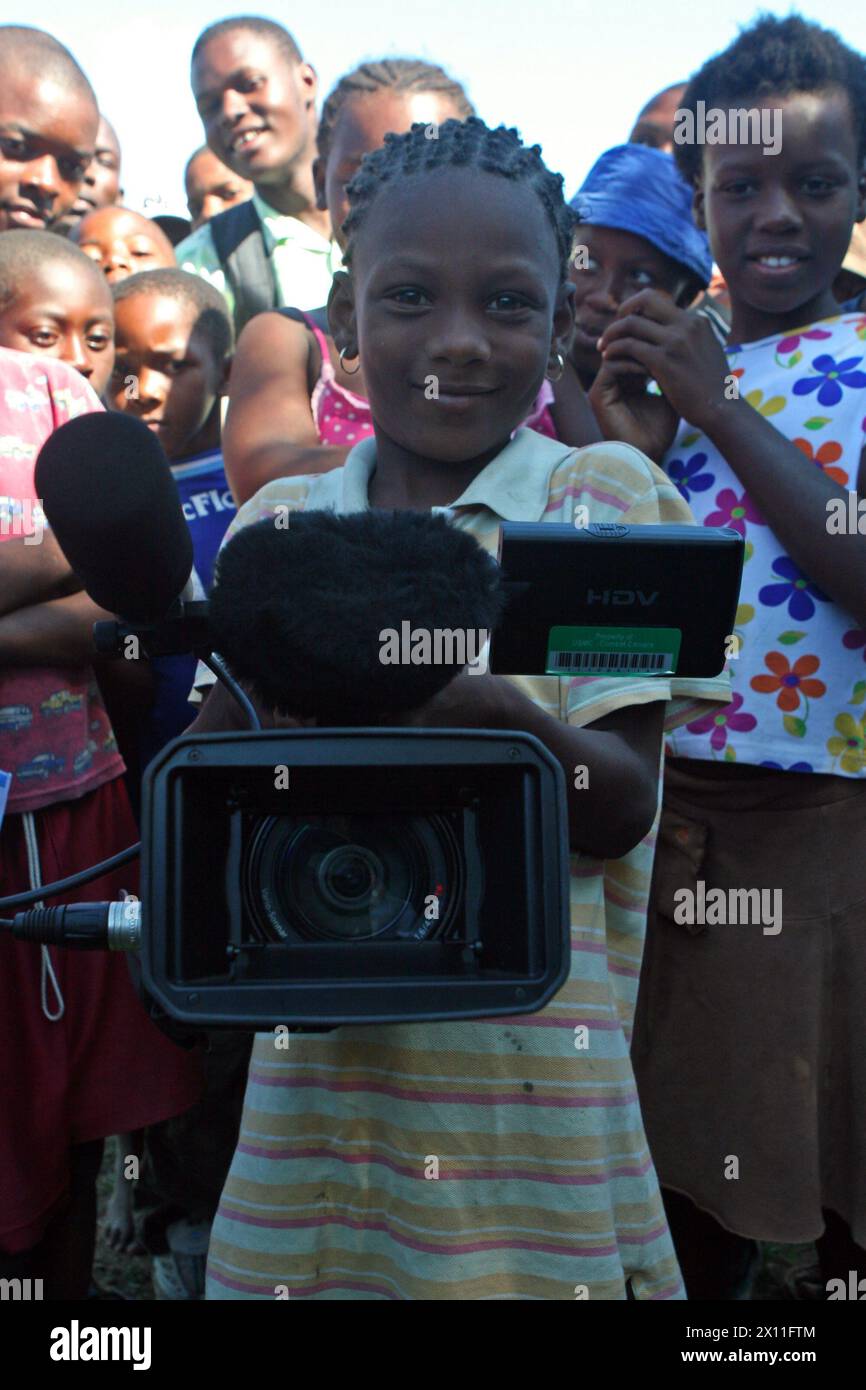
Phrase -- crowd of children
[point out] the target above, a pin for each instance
(683, 341)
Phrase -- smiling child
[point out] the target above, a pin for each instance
(48, 125)
(457, 258)
(256, 97)
(55, 303)
(747, 1044)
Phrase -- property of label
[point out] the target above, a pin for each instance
(613, 651)
(5, 784)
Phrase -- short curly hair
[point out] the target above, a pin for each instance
(775, 57)
(25, 254)
(266, 29)
(212, 319)
(459, 144)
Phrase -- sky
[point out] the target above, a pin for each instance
(570, 75)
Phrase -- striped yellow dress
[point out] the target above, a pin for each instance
(486, 1160)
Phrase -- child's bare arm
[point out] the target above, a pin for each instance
(56, 633)
(31, 573)
(614, 805)
(269, 430)
(682, 353)
(571, 410)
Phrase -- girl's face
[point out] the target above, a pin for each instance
(361, 126)
(64, 313)
(779, 225)
(456, 306)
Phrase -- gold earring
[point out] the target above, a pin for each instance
(560, 362)
(355, 370)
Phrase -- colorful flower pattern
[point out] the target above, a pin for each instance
(790, 681)
(734, 511)
(689, 476)
(831, 377)
(827, 454)
(792, 588)
(848, 744)
(720, 721)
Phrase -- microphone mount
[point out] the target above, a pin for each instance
(184, 629)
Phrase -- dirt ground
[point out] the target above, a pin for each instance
(129, 1275)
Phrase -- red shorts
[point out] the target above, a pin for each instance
(101, 1068)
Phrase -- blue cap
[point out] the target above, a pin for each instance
(638, 189)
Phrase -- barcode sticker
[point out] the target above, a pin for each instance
(5, 784)
(613, 651)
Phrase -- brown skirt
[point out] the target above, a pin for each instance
(750, 1041)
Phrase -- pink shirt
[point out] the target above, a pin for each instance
(344, 418)
(55, 735)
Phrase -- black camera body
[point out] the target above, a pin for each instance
(313, 878)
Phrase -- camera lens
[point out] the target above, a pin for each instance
(352, 878)
(349, 876)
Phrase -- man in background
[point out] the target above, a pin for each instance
(101, 187)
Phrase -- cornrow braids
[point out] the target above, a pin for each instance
(390, 74)
(459, 144)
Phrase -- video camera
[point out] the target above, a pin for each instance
(357, 872)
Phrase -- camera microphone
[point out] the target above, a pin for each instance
(352, 618)
(110, 498)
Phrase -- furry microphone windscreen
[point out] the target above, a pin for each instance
(325, 615)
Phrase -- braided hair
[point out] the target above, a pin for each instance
(410, 75)
(459, 144)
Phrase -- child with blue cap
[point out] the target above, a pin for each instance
(636, 232)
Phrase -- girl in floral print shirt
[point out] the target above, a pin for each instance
(749, 1044)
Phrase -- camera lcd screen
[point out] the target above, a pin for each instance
(616, 600)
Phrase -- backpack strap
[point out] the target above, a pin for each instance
(239, 242)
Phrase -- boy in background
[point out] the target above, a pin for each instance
(212, 187)
(101, 187)
(72, 1031)
(257, 100)
(54, 302)
(48, 125)
(123, 242)
(174, 341)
